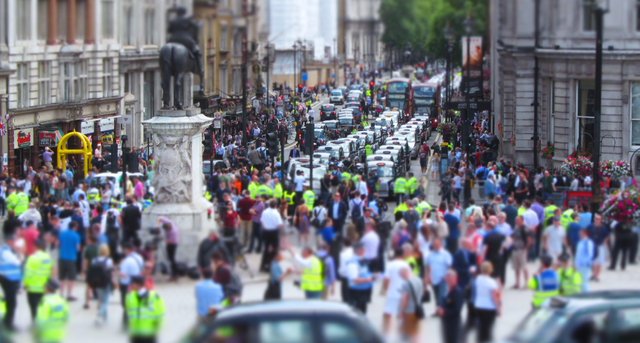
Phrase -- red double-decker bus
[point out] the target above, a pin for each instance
(399, 95)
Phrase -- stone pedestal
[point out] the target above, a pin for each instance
(178, 178)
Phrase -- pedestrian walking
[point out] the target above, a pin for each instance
(451, 310)
(69, 248)
(276, 275)
(131, 266)
(392, 290)
(411, 309)
(585, 255)
(438, 263)
(146, 311)
(52, 317)
(621, 245)
(209, 295)
(487, 302)
(38, 270)
(272, 223)
(100, 279)
(360, 279)
(10, 278)
(170, 230)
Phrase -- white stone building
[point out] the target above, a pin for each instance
(566, 53)
(362, 30)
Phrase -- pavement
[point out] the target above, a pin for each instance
(180, 301)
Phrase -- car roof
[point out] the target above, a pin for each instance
(596, 298)
(264, 309)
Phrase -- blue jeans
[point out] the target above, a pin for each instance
(585, 272)
(103, 302)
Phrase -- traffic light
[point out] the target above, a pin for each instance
(207, 142)
(309, 138)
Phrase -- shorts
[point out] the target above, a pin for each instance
(601, 259)
(519, 259)
(67, 270)
(392, 306)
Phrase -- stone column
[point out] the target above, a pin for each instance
(52, 22)
(178, 179)
(90, 19)
(71, 22)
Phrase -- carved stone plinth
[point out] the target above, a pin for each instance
(178, 178)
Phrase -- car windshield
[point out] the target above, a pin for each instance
(328, 107)
(319, 134)
(542, 325)
(396, 103)
(384, 171)
(331, 125)
(336, 93)
(423, 101)
(346, 120)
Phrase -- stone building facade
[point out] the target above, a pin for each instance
(566, 55)
(359, 33)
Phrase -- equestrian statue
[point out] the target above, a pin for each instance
(179, 56)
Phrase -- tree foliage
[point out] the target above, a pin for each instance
(420, 24)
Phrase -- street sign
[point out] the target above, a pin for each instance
(305, 76)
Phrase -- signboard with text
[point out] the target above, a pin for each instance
(47, 138)
(22, 138)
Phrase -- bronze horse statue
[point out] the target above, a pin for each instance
(176, 61)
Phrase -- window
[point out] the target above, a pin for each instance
(108, 21)
(585, 119)
(22, 85)
(552, 113)
(224, 84)
(74, 81)
(62, 19)
(149, 25)
(341, 332)
(626, 323)
(237, 43)
(44, 82)
(43, 16)
(23, 20)
(588, 19)
(284, 331)
(127, 23)
(107, 76)
(81, 18)
(149, 95)
(224, 38)
(635, 113)
(127, 83)
(237, 82)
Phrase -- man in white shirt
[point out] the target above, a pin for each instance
(362, 187)
(298, 181)
(392, 288)
(271, 222)
(554, 238)
(531, 220)
(131, 266)
(371, 244)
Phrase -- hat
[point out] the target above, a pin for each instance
(137, 279)
(53, 285)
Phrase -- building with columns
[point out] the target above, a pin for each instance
(68, 64)
(360, 35)
(566, 57)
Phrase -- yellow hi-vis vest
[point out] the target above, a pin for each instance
(37, 272)
(253, 189)
(290, 197)
(570, 281)
(312, 280)
(145, 314)
(545, 285)
(264, 190)
(278, 191)
(309, 198)
(400, 186)
(52, 318)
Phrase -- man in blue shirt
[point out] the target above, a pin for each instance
(453, 223)
(573, 232)
(69, 247)
(209, 295)
(585, 254)
(437, 266)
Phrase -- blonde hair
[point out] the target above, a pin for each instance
(104, 250)
(486, 268)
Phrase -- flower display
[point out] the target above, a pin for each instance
(622, 206)
(577, 166)
(549, 151)
(615, 169)
(447, 129)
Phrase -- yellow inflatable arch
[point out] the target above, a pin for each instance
(63, 151)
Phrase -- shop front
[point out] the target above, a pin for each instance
(24, 150)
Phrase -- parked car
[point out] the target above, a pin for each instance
(286, 321)
(115, 180)
(602, 316)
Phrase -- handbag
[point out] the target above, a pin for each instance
(419, 309)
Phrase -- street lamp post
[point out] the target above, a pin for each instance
(599, 7)
(448, 35)
(295, 67)
(468, 25)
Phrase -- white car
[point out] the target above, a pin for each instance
(336, 97)
(115, 180)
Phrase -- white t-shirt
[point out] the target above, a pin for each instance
(425, 247)
(345, 256)
(299, 182)
(555, 239)
(392, 273)
(531, 219)
(485, 286)
(371, 242)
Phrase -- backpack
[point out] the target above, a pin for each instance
(98, 275)
(356, 211)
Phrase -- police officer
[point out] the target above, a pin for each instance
(545, 284)
(412, 185)
(360, 279)
(146, 310)
(37, 272)
(570, 279)
(312, 278)
(400, 189)
(53, 316)
(309, 197)
(10, 277)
